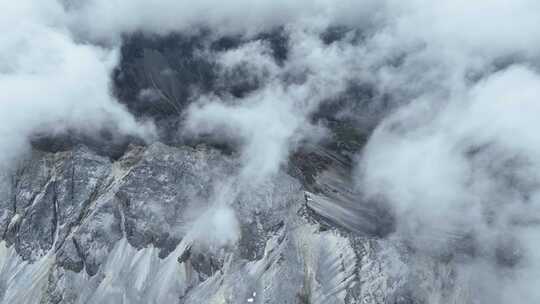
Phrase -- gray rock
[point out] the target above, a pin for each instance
(156, 192)
(81, 228)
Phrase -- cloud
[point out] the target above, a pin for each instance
(275, 118)
(266, 125)
(119, 17)
(50, 83)
(216, 228)
(457, 158)
(458, 161)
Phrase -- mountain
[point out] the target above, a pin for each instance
(301, 163)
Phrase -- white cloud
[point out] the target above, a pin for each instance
(49, 82)
(238, 16)
(459, 158)
(471, 169)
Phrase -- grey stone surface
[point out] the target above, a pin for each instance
(156, 192)
(80, 228)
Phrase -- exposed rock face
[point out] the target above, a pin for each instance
(79, 228)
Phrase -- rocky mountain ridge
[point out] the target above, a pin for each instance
(80, 228)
